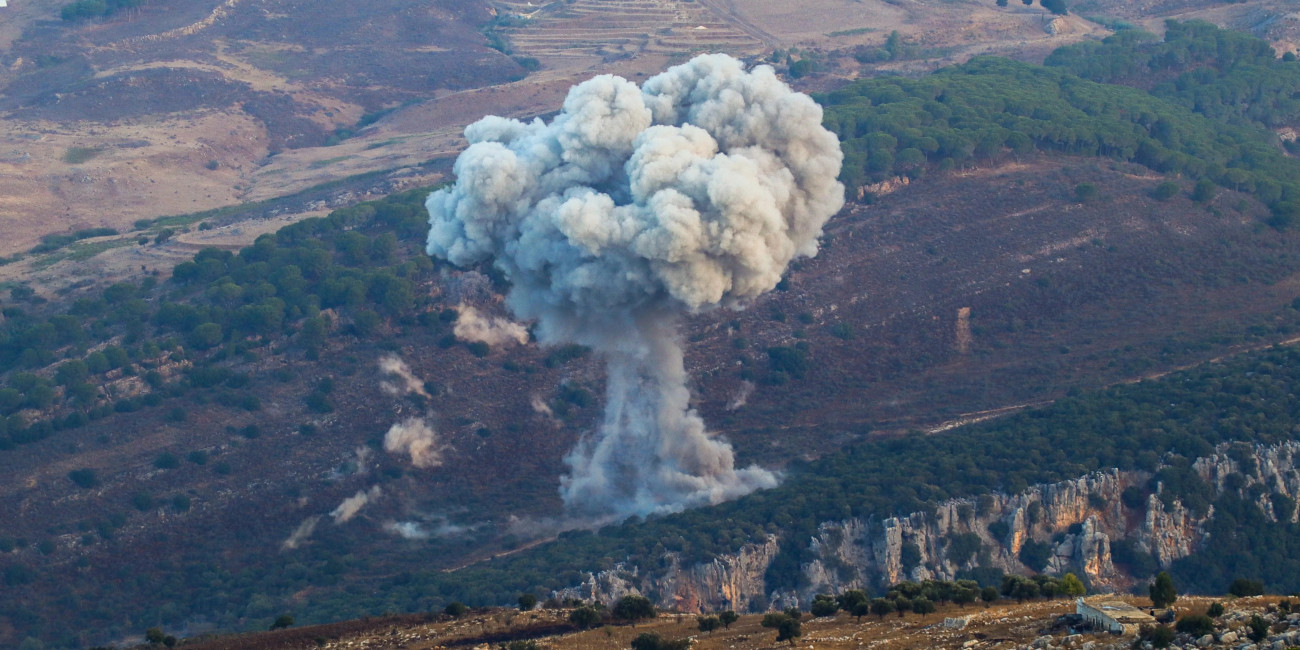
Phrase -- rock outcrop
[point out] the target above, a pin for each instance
(1075, 521)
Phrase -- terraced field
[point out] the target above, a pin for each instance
(568, 33)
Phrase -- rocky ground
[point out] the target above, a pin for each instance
(1041, 625)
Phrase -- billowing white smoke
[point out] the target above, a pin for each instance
(414, 436)
(496, 332)
(353, 504)
(399, 380)
(631, 207)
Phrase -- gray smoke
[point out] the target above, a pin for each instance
(353, 504)
(301, 533)
(630, 208)
(496, 332)
(415, 437)
(398, 378)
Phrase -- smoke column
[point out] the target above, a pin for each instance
(630, 208)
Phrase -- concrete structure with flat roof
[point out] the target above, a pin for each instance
(1109, 613)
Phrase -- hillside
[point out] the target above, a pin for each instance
(299, 427)
(1003, 625)
(298, 463)
(128, 110)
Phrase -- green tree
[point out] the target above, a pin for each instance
(728, 617)
(206, 335)
(527, 602)
(1162, 591)
(1057, 7)
(1072, 586)
(989, 595)
(923, 606)
(585, 617)
(902, 605)
(964, 595)
(881, 607)
(1086, 192)
(851, 598)
(1165, 191)
(789, 630)
(455, 609)
(97, 363)
(282, 621)
(1215, 610)
(1161, 636)
(708, 623)
(824, 605)
(154, 635)
(71, 372)
(313, 333)
(1258, 628)
(1204, 191)
(652, 641)
(633, 608)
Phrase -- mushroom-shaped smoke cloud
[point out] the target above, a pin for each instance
(631, 207)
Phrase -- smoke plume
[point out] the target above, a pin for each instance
(632, 207)
(440, 527)
(741, 397)
(540, 407)
(496, 332)
(301, 533)
(414, 436)
(353, 504)
(399, 380)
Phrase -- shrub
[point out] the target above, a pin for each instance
(1242, 587)
(1165, 191)
(84, 478)
(585, 617)
(633, 608)
(1195, 625)
(142, 501)
(824, 605)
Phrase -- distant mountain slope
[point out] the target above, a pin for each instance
(211, 450)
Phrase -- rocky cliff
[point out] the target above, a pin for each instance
(1069, 526)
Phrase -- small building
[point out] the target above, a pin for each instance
(1106, 612)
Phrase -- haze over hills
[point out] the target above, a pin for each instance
(325, 422)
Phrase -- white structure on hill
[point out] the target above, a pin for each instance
(1112, 614)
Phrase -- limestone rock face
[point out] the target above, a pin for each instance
(1078, 518)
